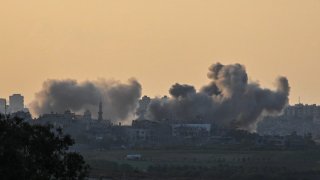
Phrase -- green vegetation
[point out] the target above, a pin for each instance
(207, 164)
(37, 152)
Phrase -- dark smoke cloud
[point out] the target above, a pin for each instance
(179, 90)
(119, 100)
(229, 100)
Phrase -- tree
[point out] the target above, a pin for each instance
(37, 152)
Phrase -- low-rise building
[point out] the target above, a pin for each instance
(191, 130)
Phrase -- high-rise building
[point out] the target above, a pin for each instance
(16, 102)
(100, 117)
(3, 105)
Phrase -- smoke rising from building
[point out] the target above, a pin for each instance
(229, 100)
(119, 100)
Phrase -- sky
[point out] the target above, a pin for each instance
(159, 42)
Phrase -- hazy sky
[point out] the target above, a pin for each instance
(159, 42)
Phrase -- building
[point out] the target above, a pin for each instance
(300, 118)
(191, 130)
(140, 135)
(100, 113)
(301, 110)
(3, 104)
(57, 120)
(270, 141)
(16, 102)
(87, 115)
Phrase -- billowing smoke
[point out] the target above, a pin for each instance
(119, 100)
(229, 100)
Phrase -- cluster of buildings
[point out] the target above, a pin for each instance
(92, 130)
(95, 131)
(91, 133)
(300, 118)
(15, 104)
(303, 111)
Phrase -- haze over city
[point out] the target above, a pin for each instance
(159, 43)
(160, 89)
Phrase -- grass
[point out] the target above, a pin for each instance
(305, 160)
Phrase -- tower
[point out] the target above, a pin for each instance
(100, 113)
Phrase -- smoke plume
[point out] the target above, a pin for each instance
(229, 100)
(119, 100)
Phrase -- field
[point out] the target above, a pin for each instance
(293, 161)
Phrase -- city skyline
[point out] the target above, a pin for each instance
(160, 41)
(160, 89)
(14, 103)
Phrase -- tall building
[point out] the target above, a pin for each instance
(3, 104)
(100, 114)
(16, 102)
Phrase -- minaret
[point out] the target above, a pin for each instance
(100, 118)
